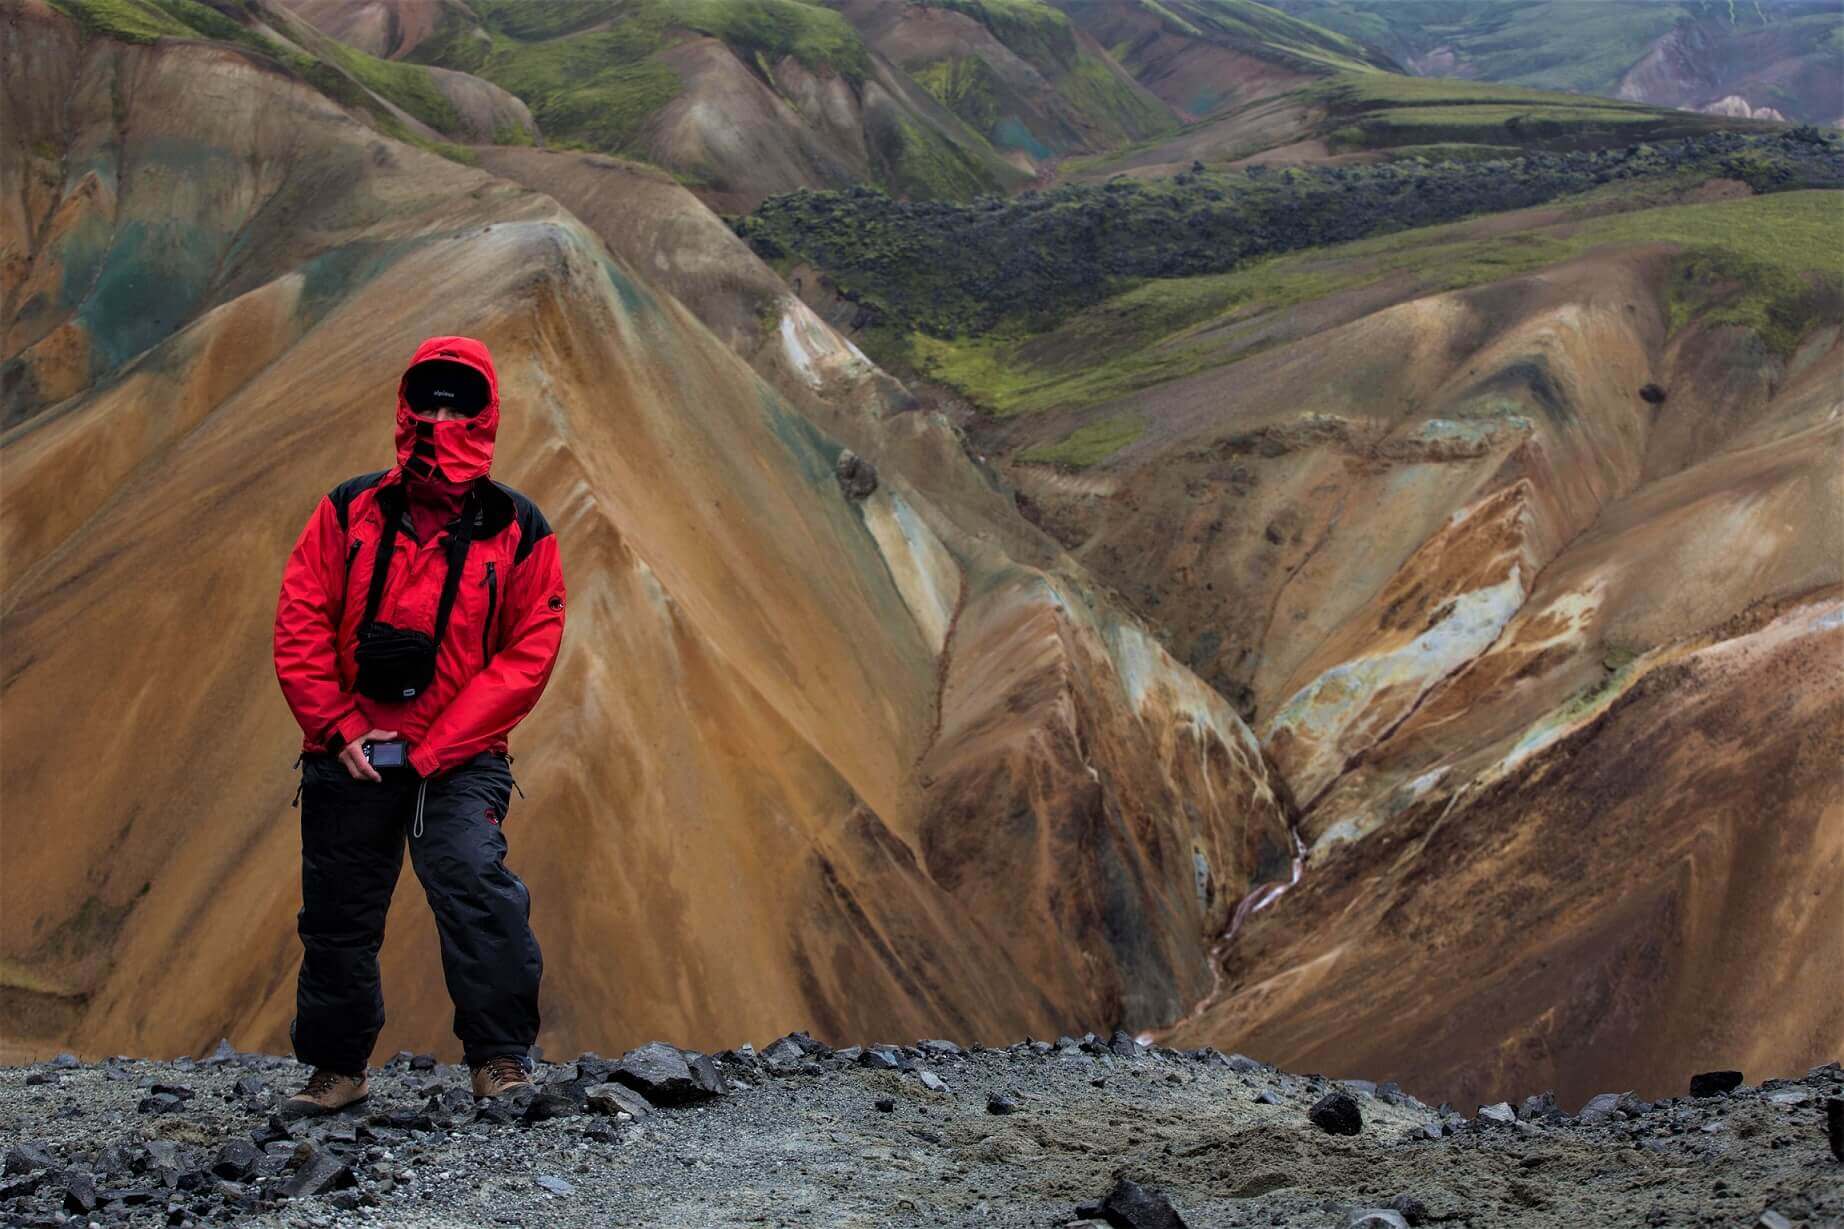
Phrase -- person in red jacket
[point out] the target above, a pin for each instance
(421, 609)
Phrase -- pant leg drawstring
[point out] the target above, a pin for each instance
(420, 791)
(298, 787)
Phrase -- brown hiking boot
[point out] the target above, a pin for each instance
(500, 1075)
(326, 1092)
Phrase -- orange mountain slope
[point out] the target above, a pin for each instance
(878, 765)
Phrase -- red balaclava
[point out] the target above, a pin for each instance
(441, 460)
(459, 451)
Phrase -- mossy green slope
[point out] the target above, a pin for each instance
(350, 77)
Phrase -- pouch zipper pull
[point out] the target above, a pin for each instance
(298, 789)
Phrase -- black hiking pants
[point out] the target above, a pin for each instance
(352, 838)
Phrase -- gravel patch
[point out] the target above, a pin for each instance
(1081, 1131)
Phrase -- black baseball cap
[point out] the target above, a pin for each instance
(439, 384)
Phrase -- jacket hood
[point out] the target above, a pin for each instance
(463, 449)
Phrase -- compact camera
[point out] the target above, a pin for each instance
(387, 755)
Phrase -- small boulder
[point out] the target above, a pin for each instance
(1715, 1083)
(548, 1105)
(613, 1098)
(79, 1191)
(933, 1082)
(320, 1173)
(1499, 1114)
(24, 1158)
(1336, 1113)
(857, 476)
(999, 1103)
(886, 1105)
(1834, 1125)
(1608, 1105)
(1132, 1206)
(1540, 1108)
(1652, 394)
(1770, 1219)
(661, 1074)
(236, 1159)
(553, 1184)
(1123, 1044)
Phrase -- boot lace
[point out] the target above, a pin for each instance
(322, 1082)
(505, 1069)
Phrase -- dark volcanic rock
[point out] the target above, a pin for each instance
(79, 1191)
(1652, 394)
(1132, 1206)
(1834, 1124)
(999, 1103)
(1715, 1083)
(857, 476)
(319, 1173)
(24, 1158)
(1123, 1044)
(615, 1097)
(661, 1073)
(1336, 1113)
(236, 1159)
(1540, 1108)
(1609, 1105)
(548, 1105)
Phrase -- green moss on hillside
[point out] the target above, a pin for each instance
(1384, 110)
(1088, 445)
(1771, 264)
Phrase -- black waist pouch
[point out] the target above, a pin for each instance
(395, 664)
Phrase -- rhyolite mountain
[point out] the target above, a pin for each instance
(881, 761)
(1435, 478)
(1772, 59)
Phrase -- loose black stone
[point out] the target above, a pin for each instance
(1834, 1124)
(886, 1105)
(1132, 1206)
(24, 1158)
(320, 1173)
(1337, 1114)
(998, 1103)
(236, 1159)
(1412, 1209)
(1715, 1083)
(1123, 1044)
(422, 1062)
(79, 1191)
(661, 1073)
(548, 1105)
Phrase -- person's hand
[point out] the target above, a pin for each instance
(352, 755)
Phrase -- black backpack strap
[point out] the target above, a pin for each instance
(389, 505)
(458, 542)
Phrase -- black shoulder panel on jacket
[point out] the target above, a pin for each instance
(347, 491)
(533, 528)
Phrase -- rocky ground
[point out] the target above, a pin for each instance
(1081, 1131)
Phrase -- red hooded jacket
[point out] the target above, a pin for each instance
(507, 622)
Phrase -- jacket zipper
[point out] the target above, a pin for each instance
(486, 630)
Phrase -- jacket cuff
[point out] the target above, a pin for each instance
(353, 726)
(424, 762)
